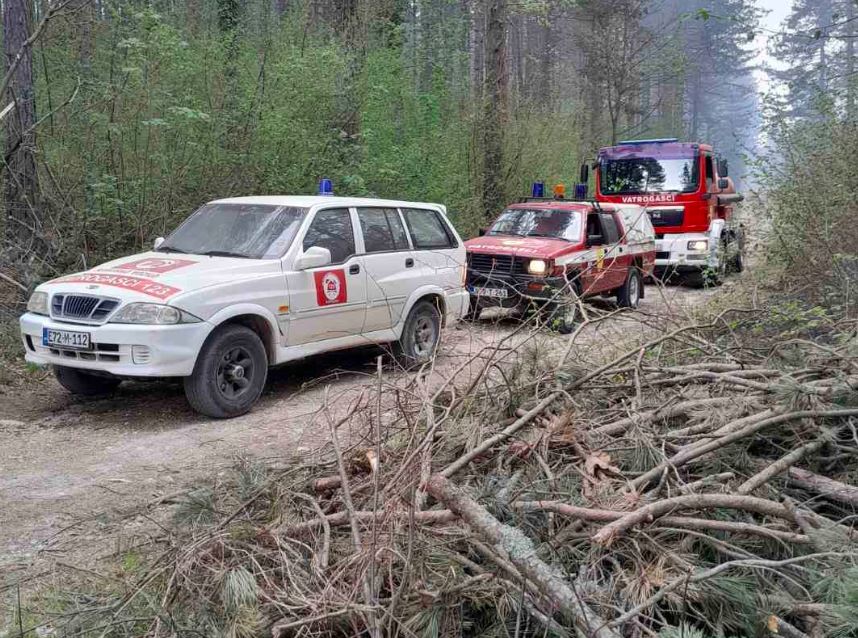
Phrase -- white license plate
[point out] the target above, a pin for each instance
(65, 339)
(498, 293)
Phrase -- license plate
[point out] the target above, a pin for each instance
(498, 293)
(65, 339)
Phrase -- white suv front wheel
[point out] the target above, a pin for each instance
(229, 374)
(420, 334)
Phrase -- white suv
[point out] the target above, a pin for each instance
(247, 283)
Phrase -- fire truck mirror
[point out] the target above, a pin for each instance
(585, 174)
(723, 183)
(723, 169)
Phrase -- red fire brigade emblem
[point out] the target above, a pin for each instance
(330, 287)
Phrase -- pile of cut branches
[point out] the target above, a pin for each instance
(699, 481)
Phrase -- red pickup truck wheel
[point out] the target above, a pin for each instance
(629, 294)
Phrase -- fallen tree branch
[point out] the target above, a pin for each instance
(829, 488)
(607, 516)
(779, 466)
(522, 554)
(648, 513)
(519, 423)
(666, 412)
(689, 453)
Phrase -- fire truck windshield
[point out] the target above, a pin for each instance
(523, 222)
(648, 175)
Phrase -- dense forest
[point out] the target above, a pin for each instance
(132, 113)
(122, 116)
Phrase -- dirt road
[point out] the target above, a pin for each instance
(66, 464)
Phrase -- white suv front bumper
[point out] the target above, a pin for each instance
(124, 350)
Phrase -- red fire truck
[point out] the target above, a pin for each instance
(686, 190)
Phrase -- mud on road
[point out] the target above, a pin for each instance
(69, 466)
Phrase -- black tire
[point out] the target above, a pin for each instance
(563, 317)
(85, 384)
(229, 374)
(420, 334)
(738, 263)
(630, 293)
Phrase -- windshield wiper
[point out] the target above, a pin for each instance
(546, 235)
(224, 253)
(170, 249)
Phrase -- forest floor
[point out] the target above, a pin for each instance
(72, 470)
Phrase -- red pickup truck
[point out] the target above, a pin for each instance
(549, 253)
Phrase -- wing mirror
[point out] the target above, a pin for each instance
(157, 243)
(584, 177)
(723, 183)
(313, 257)
(482, 231)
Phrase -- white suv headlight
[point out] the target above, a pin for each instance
(38, 303)
(153, 313)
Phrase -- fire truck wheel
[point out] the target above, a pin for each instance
(229, 374)
(420, 334)
(738, 264)
(83, 383)
(629, 294)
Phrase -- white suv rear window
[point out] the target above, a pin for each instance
(427, 229)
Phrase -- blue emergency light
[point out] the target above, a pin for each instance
(538, 189)
(660, 140)
(326, 187)
(580, 191)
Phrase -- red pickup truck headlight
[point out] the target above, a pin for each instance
(537, 267)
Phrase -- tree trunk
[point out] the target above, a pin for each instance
(494, 107)
(850, 59)
(523, 555)
(20, 188)
(228, 15)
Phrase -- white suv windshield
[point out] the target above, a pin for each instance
(252, 231)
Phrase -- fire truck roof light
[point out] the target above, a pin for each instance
(538, 189)
(559, 191)
(660, 140)
(326, 186)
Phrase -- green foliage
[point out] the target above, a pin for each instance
(810, 205)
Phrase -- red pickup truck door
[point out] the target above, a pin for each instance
(608, 269)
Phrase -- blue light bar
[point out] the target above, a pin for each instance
(580, 192)
(538, 189)
(326, 186)
(660, 140)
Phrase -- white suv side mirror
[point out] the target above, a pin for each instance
(313, 257)
(157, 243)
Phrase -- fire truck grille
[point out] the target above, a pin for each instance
(497, 264)
(82, 307)
(666, 216)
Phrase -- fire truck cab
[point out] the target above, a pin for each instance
(690, 199)
(546, 254)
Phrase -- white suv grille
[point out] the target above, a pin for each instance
(86, 308)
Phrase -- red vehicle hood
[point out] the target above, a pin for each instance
(537, 247)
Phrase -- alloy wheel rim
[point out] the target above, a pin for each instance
(425, 336)
(234, 372)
